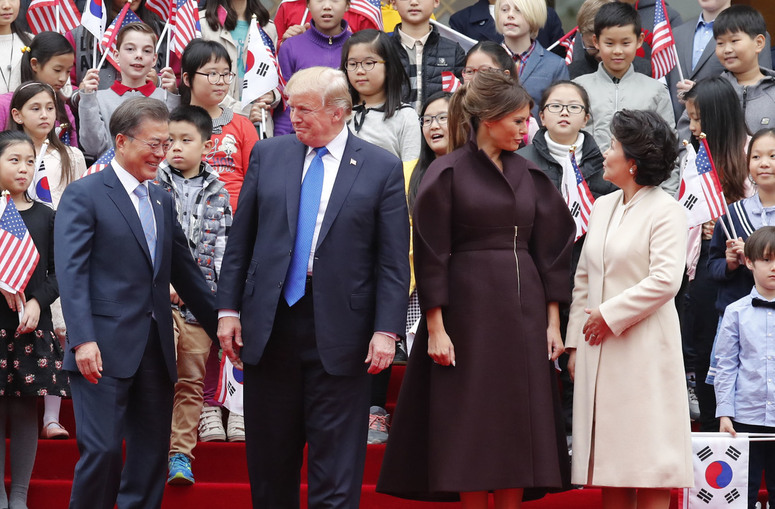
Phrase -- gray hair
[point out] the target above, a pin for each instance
(128, 117)
(330, 83)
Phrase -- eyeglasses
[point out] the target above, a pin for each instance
(573, 109)
(427, 120)
(366, 65)
(214, 77)
(154, 145)
(470, 71)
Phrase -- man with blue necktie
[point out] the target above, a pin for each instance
(118, 246)
(313, 294)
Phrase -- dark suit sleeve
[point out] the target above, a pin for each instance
(48, 292)
(392, 256)
(73, 237)
(242, 236)
(188, 280)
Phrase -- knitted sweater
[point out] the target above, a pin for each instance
(303, 51)
(400, 134)
(95, 110)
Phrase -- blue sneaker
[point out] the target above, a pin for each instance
(180, 470)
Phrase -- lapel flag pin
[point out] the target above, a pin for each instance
(353, 162)
(158, 202)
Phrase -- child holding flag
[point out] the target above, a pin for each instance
(30, 356)
(136, 54)
(743, 353)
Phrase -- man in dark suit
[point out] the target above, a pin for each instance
(317, 265)
(118, 246)
(696, 49)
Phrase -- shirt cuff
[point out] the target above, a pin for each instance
(223, 313)
(391, 335)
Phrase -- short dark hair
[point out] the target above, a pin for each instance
(396, 79)
(760, 244)
(499, 55)
(548, 91)
(617, 14)
(646, 138)
(195, 115)
(130, 114)
(197, 54)
(739, 18)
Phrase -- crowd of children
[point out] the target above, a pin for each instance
(56, 107)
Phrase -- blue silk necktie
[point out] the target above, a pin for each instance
(146, 219)
(309, 204)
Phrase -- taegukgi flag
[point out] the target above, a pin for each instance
(720, 472)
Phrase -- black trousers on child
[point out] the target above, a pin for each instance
(761, 458)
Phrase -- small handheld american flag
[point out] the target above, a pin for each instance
(19, 254)
(370, 9)
(576, 193)
(43, 15)
(186, 23)
(663, 55)
(101, 163)
(108, 42)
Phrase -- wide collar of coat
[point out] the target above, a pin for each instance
(684, 37)
(349, 167)
(533, 61)
(120, 198)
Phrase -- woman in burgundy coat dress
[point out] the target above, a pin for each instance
(478, 409)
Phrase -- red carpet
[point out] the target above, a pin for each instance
(222, 481)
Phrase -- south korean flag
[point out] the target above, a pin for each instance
(720, 472)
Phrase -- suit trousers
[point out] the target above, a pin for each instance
(137, 410)
(290, 400)
(193, 348)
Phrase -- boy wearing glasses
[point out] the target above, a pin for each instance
(136, 55)
(204, 213)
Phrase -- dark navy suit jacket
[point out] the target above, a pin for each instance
(110, 290)
(361, 266)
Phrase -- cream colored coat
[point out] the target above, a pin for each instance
(630, 409)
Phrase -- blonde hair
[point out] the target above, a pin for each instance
(534, 12)
(491, 95)
(330, 83)
(586, 16)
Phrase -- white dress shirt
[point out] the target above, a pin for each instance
(130, 183)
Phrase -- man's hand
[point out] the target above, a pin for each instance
(230, 336)
(89, 361)
(382, 349)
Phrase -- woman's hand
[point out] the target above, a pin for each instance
(295, 30)
(15, 301)
(30, 318)
(725, 426)
(440, 347)
(595, 330)
(554, 342)
(734, 253)
(707, 229)
(572, 364)
(168, 80)
(90, 82)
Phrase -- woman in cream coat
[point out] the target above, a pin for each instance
(631, 432)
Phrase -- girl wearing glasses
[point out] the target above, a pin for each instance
(375, 75)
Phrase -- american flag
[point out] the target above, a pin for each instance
(161, 8)
(101, 163)
(108, 42)
(186, 25)
(371, 9)
(42, 16)
(449, 82)
(700, 193)
(663, 55)
(19, 254)
(577, 194)
(567, 41)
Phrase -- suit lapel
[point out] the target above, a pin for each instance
(708, 52)
(348, 169)
(684, 44)
(293, 173)
(532, 62)
(118, 194)
(155, 194)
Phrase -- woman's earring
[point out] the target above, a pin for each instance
(632, 171)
